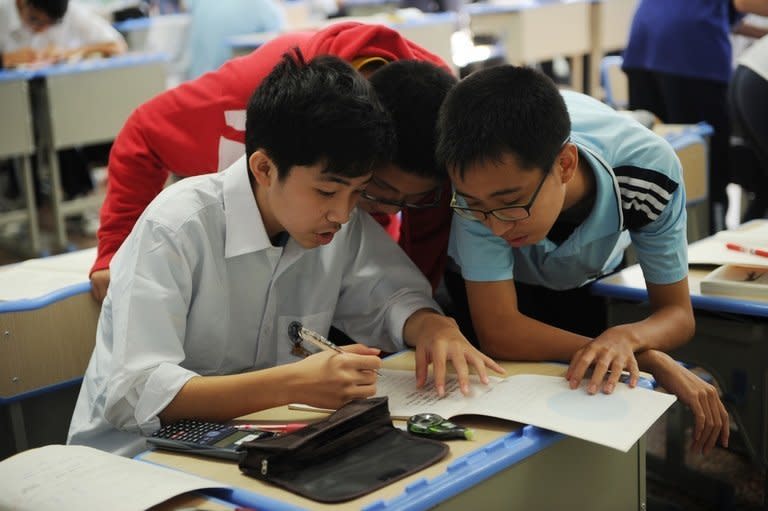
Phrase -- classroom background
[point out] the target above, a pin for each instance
(59, 122)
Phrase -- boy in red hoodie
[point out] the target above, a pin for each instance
(198, 128)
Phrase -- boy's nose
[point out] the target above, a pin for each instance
(499, 227)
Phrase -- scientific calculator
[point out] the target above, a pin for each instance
(206, 438)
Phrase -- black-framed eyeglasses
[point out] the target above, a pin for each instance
(507, 213)
(429, 200)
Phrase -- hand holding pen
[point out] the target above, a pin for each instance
(298, 333)
(325, 380)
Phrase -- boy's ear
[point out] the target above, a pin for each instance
(568, 161)
(262, 167)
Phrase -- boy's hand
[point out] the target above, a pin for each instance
(709, 413)
(19, 57)
(611, 351)
(437, 339)
(329, 379)
(99, 284)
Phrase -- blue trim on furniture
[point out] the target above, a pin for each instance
(29, 304)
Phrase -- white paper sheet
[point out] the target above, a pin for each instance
(58, 477)
(616, 420)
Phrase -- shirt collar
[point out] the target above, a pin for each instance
(605, 217)
(245, 231)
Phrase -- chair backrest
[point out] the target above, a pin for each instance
(614, 82)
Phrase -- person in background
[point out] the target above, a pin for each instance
(414, 186)
(678, 64)
(46, 31)
(215, 21)
(748, 99)
(196, 321)
(197, 128)
(43, 32)
(550, 187)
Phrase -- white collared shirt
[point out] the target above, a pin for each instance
(198, 289)
(80, 26)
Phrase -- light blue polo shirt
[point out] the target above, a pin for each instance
(640, 199)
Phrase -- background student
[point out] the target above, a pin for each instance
(550, 187)
(197, 128)
(195, 322)
(678, 62)
(40, 32)
(748, 101)
(213, 23)
(414, 184)
(32, 31)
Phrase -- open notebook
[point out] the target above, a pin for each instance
(58, 477)
(616, 420)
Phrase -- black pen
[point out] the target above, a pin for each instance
(298, 331)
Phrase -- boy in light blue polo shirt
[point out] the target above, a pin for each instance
(549, 189)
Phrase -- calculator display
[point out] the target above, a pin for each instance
(236, 438)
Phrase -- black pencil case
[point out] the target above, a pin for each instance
(355, 451)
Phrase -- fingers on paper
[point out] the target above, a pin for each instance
(578, 367)
(422, 366)
(439, 372)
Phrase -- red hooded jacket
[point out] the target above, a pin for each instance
(198, 128)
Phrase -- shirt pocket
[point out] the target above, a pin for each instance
(319, 322)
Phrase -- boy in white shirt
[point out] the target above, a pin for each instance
(195, 322)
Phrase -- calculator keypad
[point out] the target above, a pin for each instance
(194, 431)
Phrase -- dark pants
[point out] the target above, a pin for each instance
(683, 100)
(575, 310)
(748, 99)
(74, 168)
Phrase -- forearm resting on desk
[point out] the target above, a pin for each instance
(12, 59)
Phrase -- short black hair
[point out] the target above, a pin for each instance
(412, 92)
(322, 111)
(502, 110)
(54, 9)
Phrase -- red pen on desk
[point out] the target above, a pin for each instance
(747, 250)
(276, 428)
